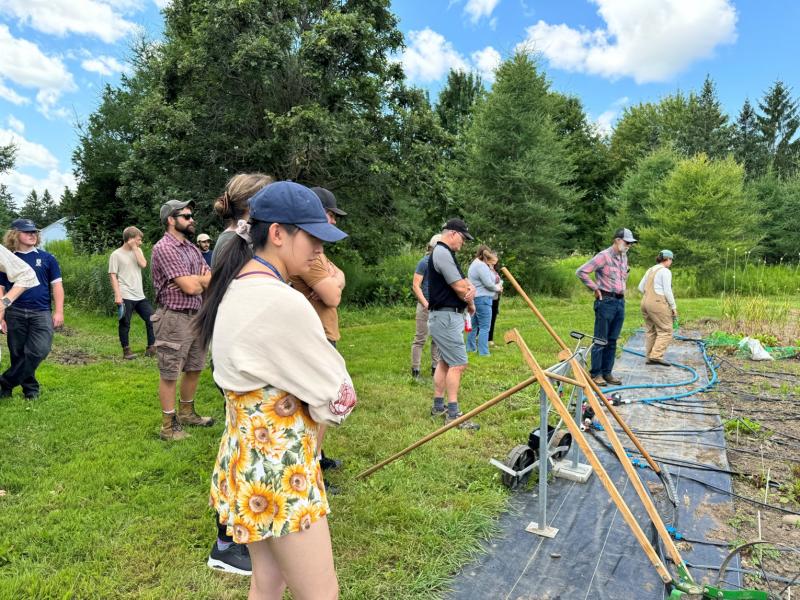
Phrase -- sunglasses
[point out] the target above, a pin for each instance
(187, 216)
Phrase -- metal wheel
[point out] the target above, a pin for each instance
(519, 458)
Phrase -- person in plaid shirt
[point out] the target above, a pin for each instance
(610, 268)
(180, 276)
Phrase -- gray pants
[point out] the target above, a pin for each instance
(447, 330)
(30, 336)
(420, 337)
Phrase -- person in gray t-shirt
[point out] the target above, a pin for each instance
(450, 294)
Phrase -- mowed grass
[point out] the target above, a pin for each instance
(96, 506)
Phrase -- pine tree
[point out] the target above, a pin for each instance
(514, 184)
(748, 144)
(456, 100)
(51, 212)
(778, 122)
(33, 209)
(707, 129)
(8, 210)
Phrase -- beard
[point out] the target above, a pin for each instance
(186, 228)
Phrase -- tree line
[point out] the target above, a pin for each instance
(312, 92)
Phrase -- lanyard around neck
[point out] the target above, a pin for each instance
(270, 266)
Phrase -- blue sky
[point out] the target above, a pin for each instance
(56, 55)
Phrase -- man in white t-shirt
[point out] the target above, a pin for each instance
(125, 270)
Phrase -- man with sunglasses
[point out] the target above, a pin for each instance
(610, 268)
(180, 276)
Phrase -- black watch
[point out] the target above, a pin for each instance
(6, 302)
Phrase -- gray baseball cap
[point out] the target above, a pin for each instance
(625, 235)
(170, 206)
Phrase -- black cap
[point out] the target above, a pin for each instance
(24, 225)
(459, 226)
(328, 200)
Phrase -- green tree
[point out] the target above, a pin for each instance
(33, 209)
(51, 210)
(699, 210)
(748, 143)
(778, 122)
(457, 99)
(515, 183)
(779, 201)
(593, 176)
(8, 210)
(707, 128)
(637, 191)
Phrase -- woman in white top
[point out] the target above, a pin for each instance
(658, 308)
(282, 380)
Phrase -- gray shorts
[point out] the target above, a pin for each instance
(447, 330)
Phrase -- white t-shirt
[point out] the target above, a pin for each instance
(662, 284)
(16, 269)
(124, 265)
(267, 333)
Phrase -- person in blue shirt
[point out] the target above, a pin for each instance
(419, 286)
(30, 320)
(204, 243)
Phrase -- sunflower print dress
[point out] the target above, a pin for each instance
(267, 481)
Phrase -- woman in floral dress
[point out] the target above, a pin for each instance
(281, 379)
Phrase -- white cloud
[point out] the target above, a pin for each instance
(23, 63)
(486, 62)
(605, 122)
(429, 56)
(162, 4)
(6, 93)
(648, 41)
(83, 17)
(476, 9)
(16, 124)
(105, 65)
(29, 154)
(20, 184)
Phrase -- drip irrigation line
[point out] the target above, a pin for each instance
(723, 447)
(765, 574)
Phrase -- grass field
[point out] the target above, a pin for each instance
(96, 506)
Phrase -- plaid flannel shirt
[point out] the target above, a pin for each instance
(170, 259)
(610, 271)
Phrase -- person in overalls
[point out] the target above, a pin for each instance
(658, 308)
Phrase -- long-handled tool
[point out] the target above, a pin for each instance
(687, 583)
(662, 474)
(450, 425)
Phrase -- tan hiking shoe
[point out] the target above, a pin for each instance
(187, 416)
(127, 354)
(465, 425)
(612, 379)
(171, 430)
(150, 351)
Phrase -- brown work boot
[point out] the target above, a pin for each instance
(127, 354)
(150, 351)
(599, 380)
(612, 380)
(171, 430)
(187, 416)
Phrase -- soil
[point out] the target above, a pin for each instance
(72, 356)
(766, 445)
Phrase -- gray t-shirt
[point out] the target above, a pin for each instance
(123, 264)
(422, 269)
(444, 263)
(223, 240)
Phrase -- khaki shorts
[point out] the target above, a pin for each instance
(177, 345)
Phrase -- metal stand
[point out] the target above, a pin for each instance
(568, 468)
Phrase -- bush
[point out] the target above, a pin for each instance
(85, 276)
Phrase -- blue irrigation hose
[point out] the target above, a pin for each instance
(709, 365)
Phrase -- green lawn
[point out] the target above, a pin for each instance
(98, 507)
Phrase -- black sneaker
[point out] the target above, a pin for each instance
(31, 396)
(415, 374)
(328, 464)
(5, 393)
(234, 559)
(330, 489)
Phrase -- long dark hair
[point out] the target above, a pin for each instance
(233, 256)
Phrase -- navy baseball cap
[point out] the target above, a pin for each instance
(24, 225)
(293, 204)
